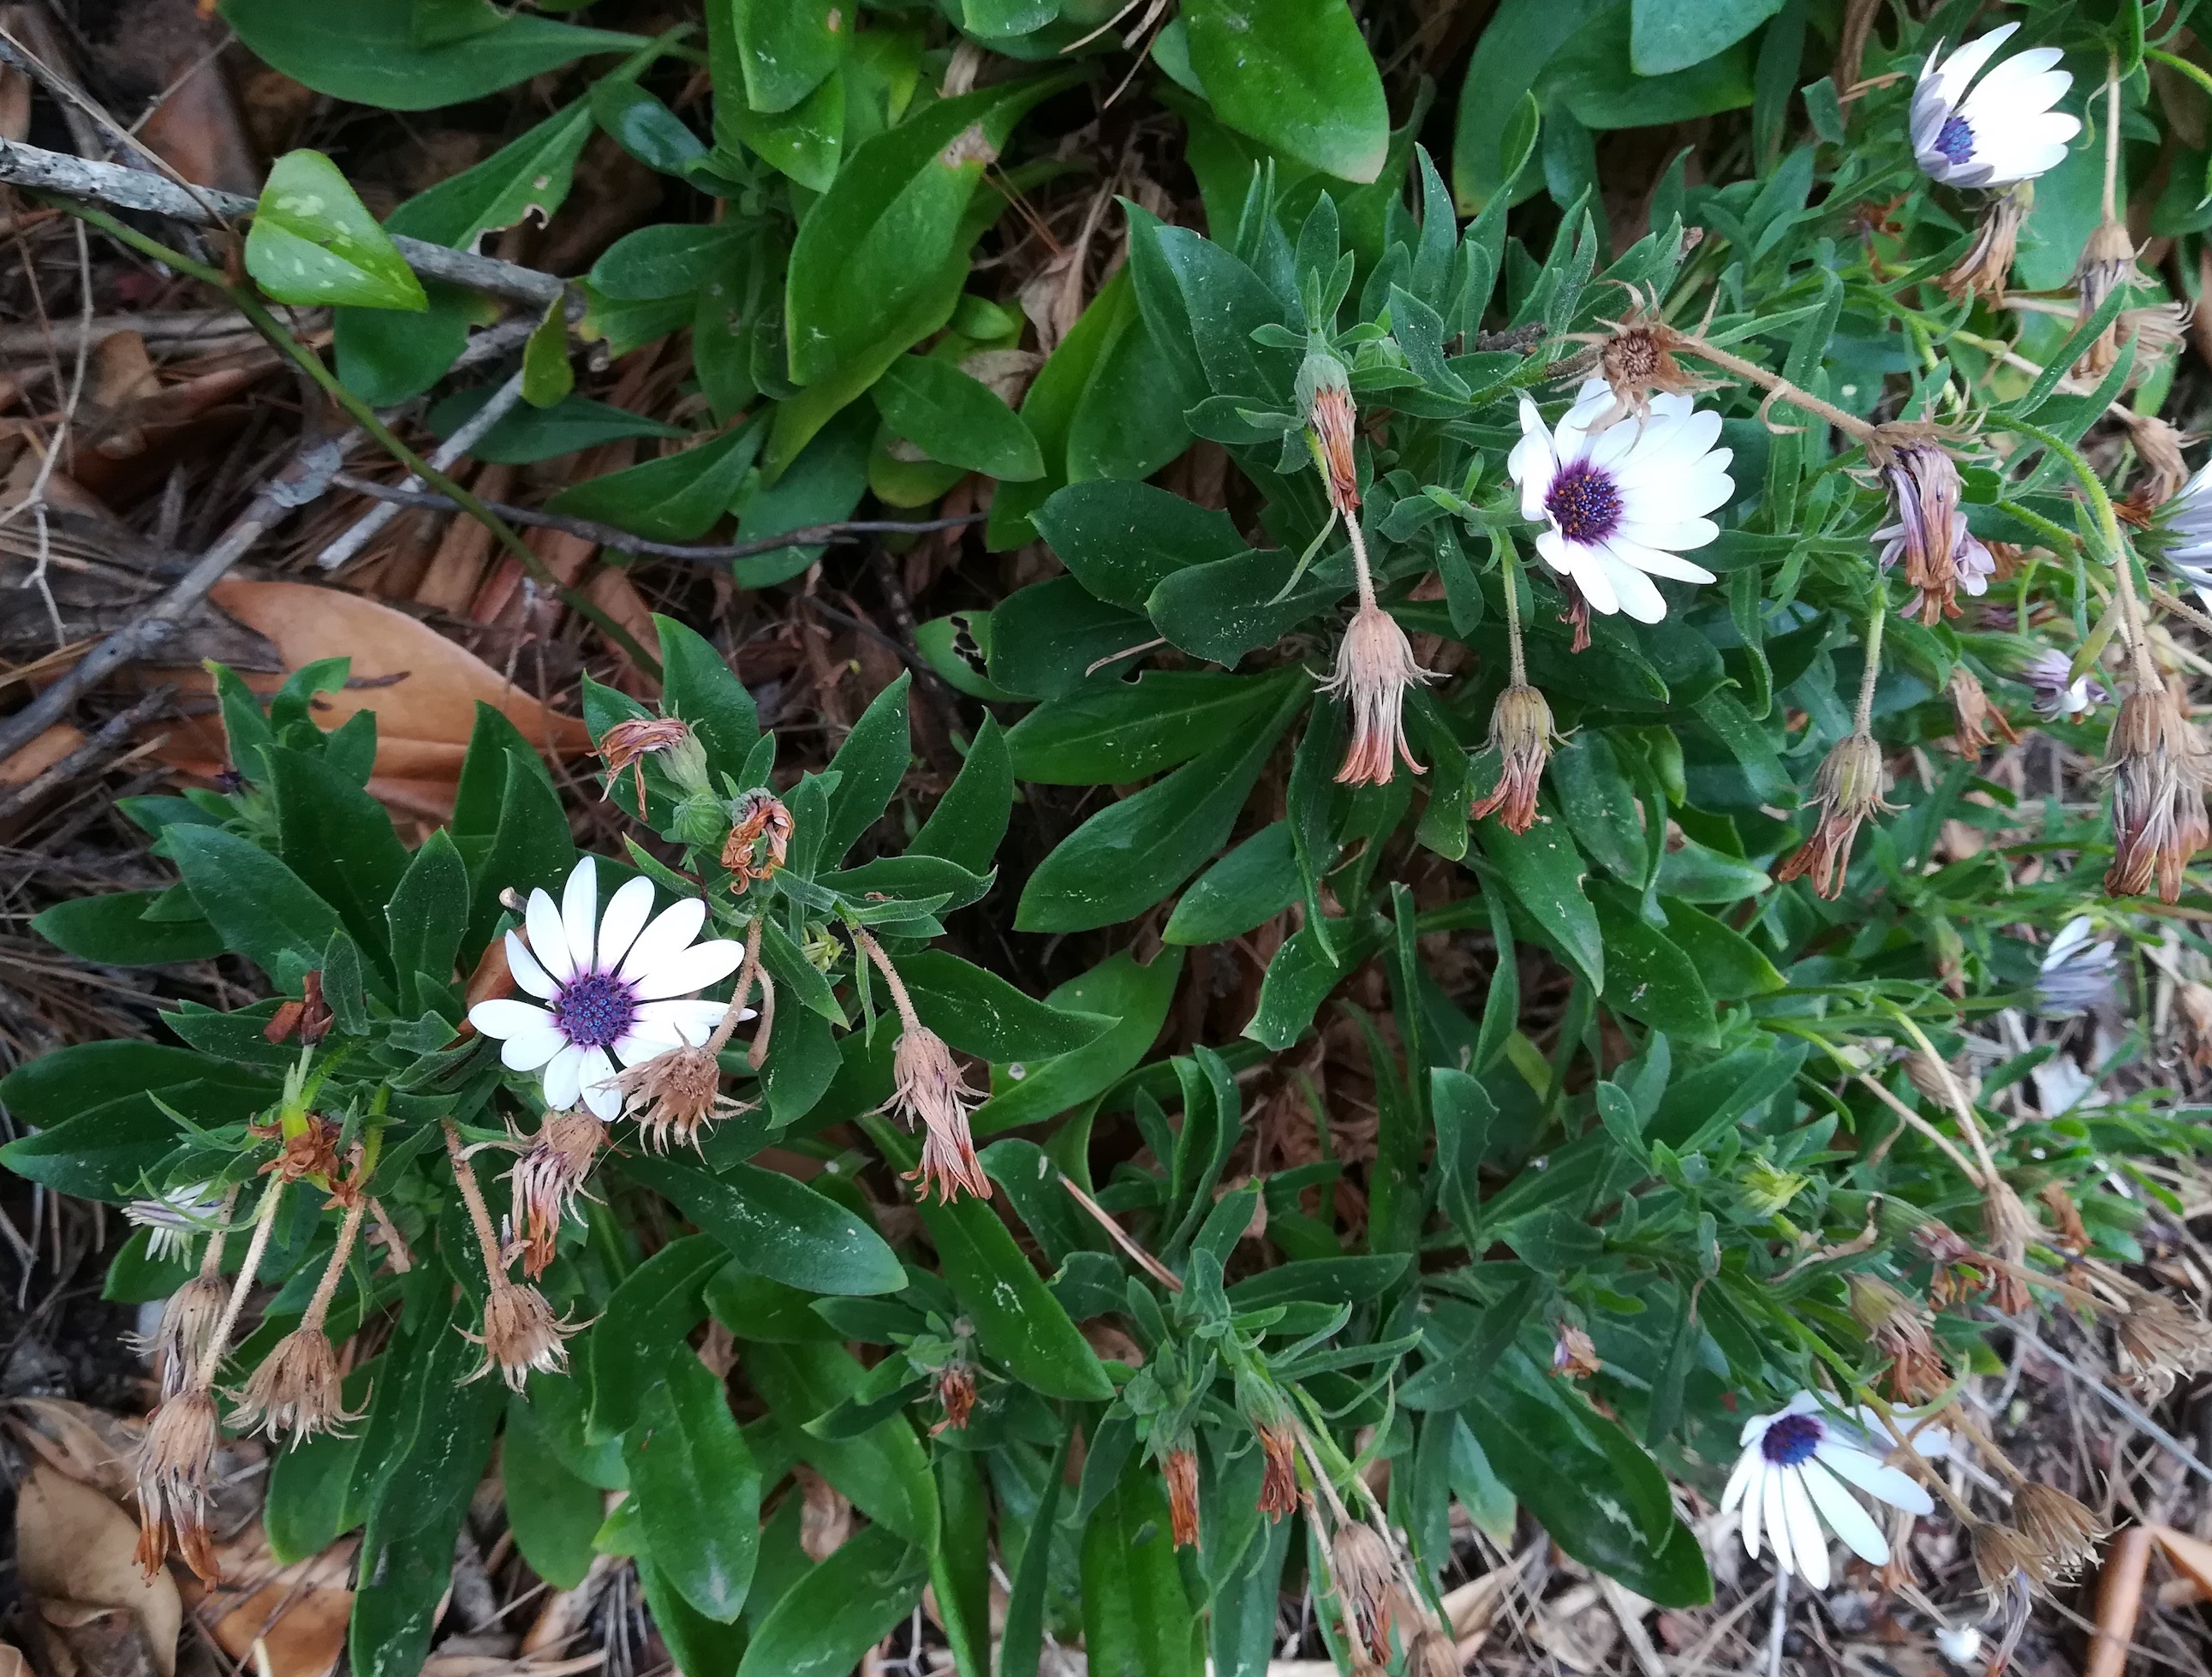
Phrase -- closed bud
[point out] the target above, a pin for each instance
(1521, 733)
(1766, 1189)
(1849, 789)
(1325, 393)
(701, 819)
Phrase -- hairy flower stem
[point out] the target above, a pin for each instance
(2113, 139)
(1953, 1096)
(908, 1020)
(1862, 715)
(1512, 579)
(1359, 560)
(318, 1307)
(748, 974)
(465, 1178)
(264, 1219)
(211, 1255)
(1779, 388)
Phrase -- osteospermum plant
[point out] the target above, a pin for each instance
(1533, 988)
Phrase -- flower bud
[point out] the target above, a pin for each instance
(701, 819)
(1324, 393)
(1766, 1190)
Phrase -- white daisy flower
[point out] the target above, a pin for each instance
(2188, 522)
(2078, 972)
(1621, 506)
(614, 987)
(2002, 130)
(1789, 1482)
(174, 1219)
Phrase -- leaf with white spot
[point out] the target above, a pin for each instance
(313, 242)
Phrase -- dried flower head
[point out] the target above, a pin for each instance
(2072, 1234)
(179, 1344)
(2108, 262)
(675, 1095)
(2002, 1557)
(758, 841)
(1374, 668)
(1179, 1468)
(309, 1150)
(1849, 789)
(1927, 528)
(1900, 1328)
(929, 1092)
(955, 1391)
(2062, 1532)
(1365, 1580)
(1325, 395)
(1937, 1080)
(548, 1178)
(2160, 1342)
(176, 1473)
(1521, 733)
(1973, 715)
(2006, 1230)
(1959, 1275)
(1279, 1475)
(521, 1335)
(2158, 331)
(1986, 268)
(1577, 617)
(1574, 1354)
(2159, 770)
(1636, 359)
(1432, 1654)
(629, 742)
(296, 1392)
(309, 1018)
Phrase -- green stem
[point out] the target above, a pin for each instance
(1877, 621)
(364, 415)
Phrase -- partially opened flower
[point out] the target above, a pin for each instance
(1998, 129)
(2059, 693)
(614, 987)
(2078, 971)
(174, 1217)
(1790, 1484)
(1928, 527)
(1622, 506)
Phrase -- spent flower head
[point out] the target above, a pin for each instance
(931, 1093)
(297, 1391)
(1849, 789)
(1521, 733)
(1374, 667)
(176, 1483)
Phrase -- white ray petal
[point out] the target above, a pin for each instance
(1890, 1484)
(1755, 1505)
(1777, 1513)
(580, 911)
(528, 1050)
(628, 909)
(527, 972)
(670, 930)
(1746, 1469)
(508, 1018)
(561, 1083)
(1656, 562)
(690, 970)
(595, 1076)
(548, 942)
(1808, 1542)
(1638, 596)
(1861, 1535)
(694, 1021)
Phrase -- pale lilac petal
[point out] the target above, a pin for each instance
(690, 970)
(670, 930)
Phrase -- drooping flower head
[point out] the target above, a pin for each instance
(521, 1335)
(1996, 130)
(296, 1392)
(2061, 1530)
(1622, 506)
(548, 1178)
(1986, 268)
(2159, 770)
(1278, 1475)
(1789, 1482)
(1324, 393)
(1973, 715)
(1849, 789)
(613, 988)
(1927, 528)
(1374, 668)
(758, 840)
(929, 1091)
(1521, 733)
(2159, 1342)
(629, 742)
(176, 1479)
(2078, 972)
(675, 1095)
(1366, 1582)
(179, 1343)
(1900, 1329)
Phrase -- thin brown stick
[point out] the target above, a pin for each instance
(1144, 1259)
(1849, 423)
(110, 734)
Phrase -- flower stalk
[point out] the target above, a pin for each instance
(930, 1093)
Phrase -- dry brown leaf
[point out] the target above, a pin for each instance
(423, 688)
(2191, 1557)
(87, 1445)
(302, 1628)
(74, 1547)
(29, 762)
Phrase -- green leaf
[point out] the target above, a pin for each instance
(1295, 75)
(313, 242)
(367, 52)
(339, 840)
(1584, 1479)
(970, 819)
(1728, 963)
(655, 1305)
(1128, 857)
(1137, 1619)
(547, 377)
(956, 419)
(1122, 540)
(528, 848)
(878, 243)
(1651, 980)
(676, 498)
(530, 434)
(831, 1617)
(1138, 996)
(698, 685)
(642, 126)
(869, 765)
(424, 919)
(666, 259)
(261, 909)
(1112, 735)
(807, 141)
(785, 47)
(697, 1490)
(1667, 35)
(1220, 611)
(980, 1013)
(883, 1470)
(1054, 637)
(960, 1569)
(777, 1227)
(552, 1513)
(1251, 885)
(305, 1511)
(1545, 873)
(111, 929)
(1017, 1319)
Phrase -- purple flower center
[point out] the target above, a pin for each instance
(1792, 1439)
(1956, 140)
(594, 1009)
(1584, 502)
